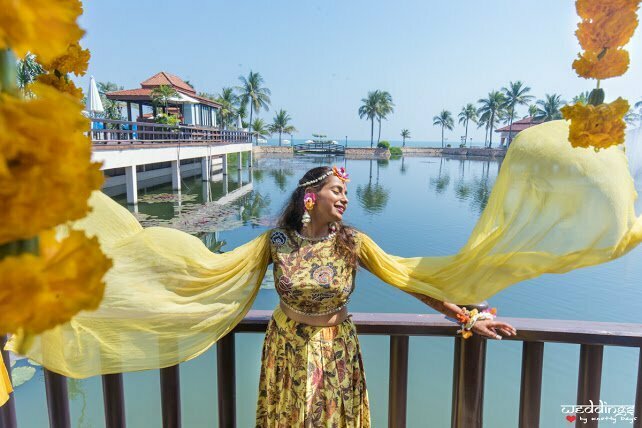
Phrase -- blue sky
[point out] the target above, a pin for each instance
(320, 58)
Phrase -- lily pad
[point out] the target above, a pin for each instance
(22, 374)
(33, 363)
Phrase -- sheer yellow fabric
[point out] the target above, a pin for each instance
(5, 384)
(168, 298)
(553, 208)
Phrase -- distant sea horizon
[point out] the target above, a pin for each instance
(366, 143)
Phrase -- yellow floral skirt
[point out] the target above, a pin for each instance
(311, 376)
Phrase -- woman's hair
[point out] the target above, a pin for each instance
(290, 218)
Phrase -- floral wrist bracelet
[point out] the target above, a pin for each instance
(469, 318)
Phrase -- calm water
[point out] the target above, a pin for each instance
(410, 207)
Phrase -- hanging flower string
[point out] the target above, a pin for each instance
(48, 273)
(606, 26)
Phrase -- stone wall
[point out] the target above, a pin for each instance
(367, 153)
(453, 151)
(266, 151)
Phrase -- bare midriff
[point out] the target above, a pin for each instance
(317, 320)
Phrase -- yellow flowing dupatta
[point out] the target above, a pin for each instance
(553, 208)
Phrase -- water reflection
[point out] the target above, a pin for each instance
(77, 392)
(373, 198)
(476, 190)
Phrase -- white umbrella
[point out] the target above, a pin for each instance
(94, 104)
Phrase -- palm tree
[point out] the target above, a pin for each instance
(260, 129)
(467, 114)
(162, 95)
(581, 98)
(489, 111)
(253, 93)
(532, 110)
(549, 108)
(445, 120)
(385, 106)
(404, 134)
(516, 94)
(28, 70)
(369, 110)
(111, 107)
(242, 113)
(228, 101)
(281, 124)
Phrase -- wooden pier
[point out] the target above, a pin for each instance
(321, 148)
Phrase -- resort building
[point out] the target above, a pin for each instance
(516, 128)
(190, 108)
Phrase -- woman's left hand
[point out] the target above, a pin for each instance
(490, 329)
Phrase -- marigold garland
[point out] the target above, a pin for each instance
(40, 292)
(598, 126)
(614, 63)
(45, 28)
(46, 177)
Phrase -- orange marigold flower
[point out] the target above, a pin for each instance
(614, 63)
(608, 31)
(599, 126)
(75, 60)
(463, 318)
(46, 173)
(40, 292)
(42, 27)
(592, 9)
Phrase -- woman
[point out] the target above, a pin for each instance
(312, 373)
(168, 298)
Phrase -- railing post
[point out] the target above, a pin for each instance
(398, 390)
(468, 379)
(57, 400)
(530, 396)
(171, 397)
(114, 400)
(589, 381)
(226, 381)
(8, 410)
(637, 412)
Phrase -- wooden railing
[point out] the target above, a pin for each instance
(125, 132)
(468, 369)
(319, 148)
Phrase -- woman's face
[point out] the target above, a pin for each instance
(331, 201)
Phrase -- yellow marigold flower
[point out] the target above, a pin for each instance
(63, 84)
(46, 174)
(75, 60)
(45, 28)
(609, 31)
(40, 292)
(592, 9)
(599, 126)
(614, 63)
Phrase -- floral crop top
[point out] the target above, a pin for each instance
(308, 275)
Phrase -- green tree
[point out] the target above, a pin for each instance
(228, 111)
(532, 110)
(549, 108)
(242, 113)
(111, 108)
(445, 120)
(369, 111)
(581, 98)
(253, 92)
(162, 95)
(404, 134)
(28, 69)
(259, 129)
(489, 112)
(385, 106)
(468, 113)
(281, 124)
(514, 95)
